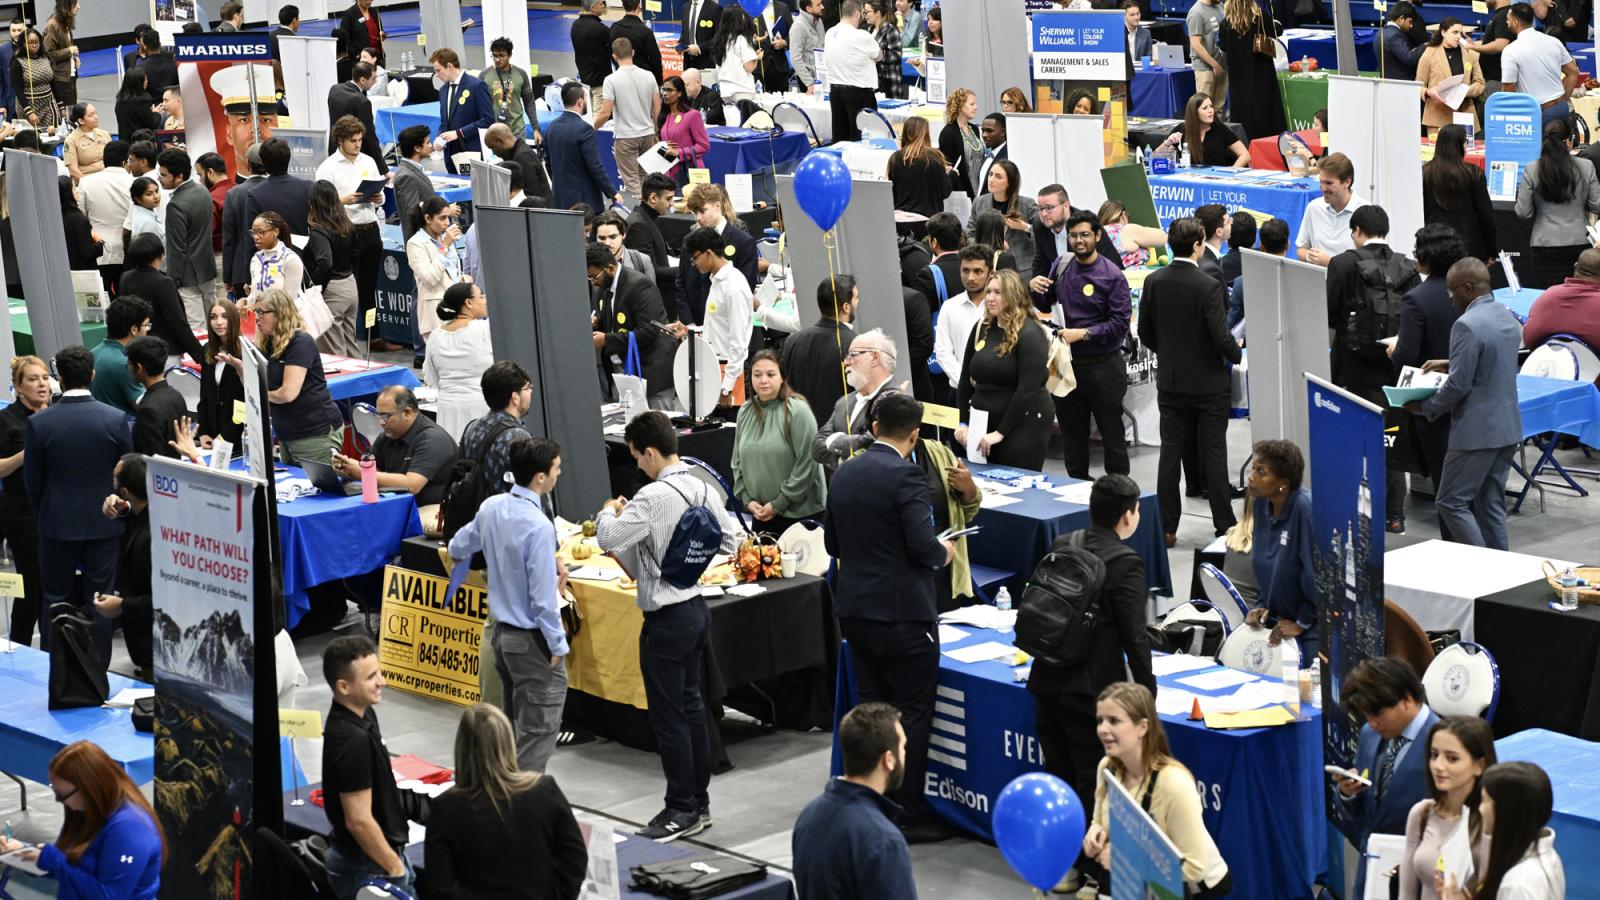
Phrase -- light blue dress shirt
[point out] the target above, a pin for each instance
(519, 543)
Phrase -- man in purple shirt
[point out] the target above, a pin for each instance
(1095, 308)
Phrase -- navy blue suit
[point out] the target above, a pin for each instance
(1373, 814)
(72, 448)
(693, 286)
(879, 525)
(576, 175)
(8, 91)
(466, 109)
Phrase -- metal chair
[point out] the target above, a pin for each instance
(187, 383)
(1223, 595)
(364, 416)
(1248, 649)
(722, 491)
(1463, 680)
(790, 117)
(872, 124)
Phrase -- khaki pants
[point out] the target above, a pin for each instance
(1216, 85)
(197, 302)
(627, 151)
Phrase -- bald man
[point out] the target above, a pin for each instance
(1572, 307)
(1480, 395)
(709, 104)
(506, 145)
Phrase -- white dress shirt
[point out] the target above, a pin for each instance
(729, 305)
(346, 176)
(106, 202)
(989, 159)
(1533, 63)
(1329, 231)
(957, 317)
(851, 56)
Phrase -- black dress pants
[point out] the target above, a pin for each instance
(898, 663)
(846, 102)
(672, 649)
(1204, 419)
(366, 256)
(1102, 383)
(1066, 726)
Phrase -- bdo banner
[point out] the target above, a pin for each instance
(430, 642)
(1086, 45)
(1348, 458)
(1144, 863)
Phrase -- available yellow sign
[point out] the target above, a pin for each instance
(430, 643)
(299, 723)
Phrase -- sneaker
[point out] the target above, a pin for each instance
(705, 815)
(671, 824)
(1396, 525)
(574, 737)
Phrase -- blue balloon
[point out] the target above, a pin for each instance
(1039, 824)
(822, 185)
(754, 7)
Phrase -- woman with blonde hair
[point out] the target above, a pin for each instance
(960, 141)
(30, 379)
(918, 174)
(1003, 373)
(1013, 100)
(1246, 39)
(1138, 755)
(110, 842)
(308, 424)
(1237, 543)
(500, 832)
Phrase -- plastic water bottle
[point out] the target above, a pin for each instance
(1569, 589)
(1305, 64)
(1316, 683)
(1183, 155)
(1002, 600)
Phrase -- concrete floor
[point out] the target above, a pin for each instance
(776, 774)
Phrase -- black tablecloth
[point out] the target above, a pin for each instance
(1149, 133)
(1549, 661)
(307, 820)
(713, 446)
(1169, 31)
(676, 226)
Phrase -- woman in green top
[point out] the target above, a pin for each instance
(774, 475)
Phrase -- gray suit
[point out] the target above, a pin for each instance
(1485, 423)
(411, 189)
(848, 409)
(190, 259)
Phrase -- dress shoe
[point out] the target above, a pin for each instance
(379, 345)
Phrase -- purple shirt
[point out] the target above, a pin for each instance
(1105, 308)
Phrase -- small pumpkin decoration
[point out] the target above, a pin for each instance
(758, 557)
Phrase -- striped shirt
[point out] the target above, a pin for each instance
(646, 524)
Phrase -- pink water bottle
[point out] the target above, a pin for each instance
(369, 479)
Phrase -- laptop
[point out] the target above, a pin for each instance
(327, 480)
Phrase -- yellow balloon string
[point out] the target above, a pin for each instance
(833, 284)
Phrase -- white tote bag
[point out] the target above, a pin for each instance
(314, 314)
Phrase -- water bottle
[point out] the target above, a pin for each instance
(1316, 683)
(1183, 155)
(1305, 64)
(1569, 589)
(369, 479)
(1002, 600)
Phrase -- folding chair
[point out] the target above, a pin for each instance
(1463, 680)
(1224, 597)
(1248, 649)
(872, 124)
(187, 383)
(364, 416)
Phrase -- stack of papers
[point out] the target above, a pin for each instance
(1172, 701)
(1216, 681)
(984, 652)
(1255, 718)
(292, 489)
(1077, 493)
(1413, 384)
(1173, 663)
(1255, 695)
(996, 501)
(981, 617)
(949, 634)
(124, 698)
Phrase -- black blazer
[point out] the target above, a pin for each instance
(950, 144)
(646, 52)
(1121, 633)
(356, 38)
(135, 114)
(774, 70)
(879, 525)
(693, 286)
(1211, 264)
(348, 99)
(216, 403)
(919, 336)
(645, 236)
(922, 281)
(83, 251)
(279, 32)
(1472, 218)
(637, 304)
(161, 72)
(1232, 265)
(168, 321)
(72, 447)
(1426, 317)
(474, 851)
(535, 183)
(1183, 317)
(133, 566)
(591, 49)
(699, 32)
(813, 359)
(156, 422)
(237, 244)
(285, 195)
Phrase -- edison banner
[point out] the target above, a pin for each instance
(1347, 459)
(431, 643)
(202, 555)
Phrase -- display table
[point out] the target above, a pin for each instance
(1551, 407)
(1159, 92)
(1016, 536)
(1272, 194)
(1261, 788)
(1437, 582)
(94, 333)
(1571, 765)
(713, 446)
(632, 850)
(1319, 44)
(31, 733)
(1527, 638)
(324, 537)
(1519, 302)
(729, 157)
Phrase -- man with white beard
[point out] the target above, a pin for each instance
(868, 367)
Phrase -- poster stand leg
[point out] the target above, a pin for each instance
(694, 382)
(294, 773)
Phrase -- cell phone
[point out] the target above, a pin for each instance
(1337, 772)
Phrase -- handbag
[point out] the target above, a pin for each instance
(1402, 450)
(314, 314)
(77, 673)
(632, 391)
(1262, 43)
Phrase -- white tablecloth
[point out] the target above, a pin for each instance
(821, 114)
(1437, 581)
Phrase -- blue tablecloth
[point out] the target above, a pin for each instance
(1015, 537)
(325, 537)
(1571, 764)
(1159, 93)
(1325, 50)
(31, 733)
(1520, 302)
(370, 382)
(390, 122)
(1270, 193)
(1360, 13)
(730, 157)
(1553, 404)
(1261, 788)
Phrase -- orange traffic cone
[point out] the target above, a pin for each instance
(1195, 714)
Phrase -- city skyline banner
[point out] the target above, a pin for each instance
(1347, 456)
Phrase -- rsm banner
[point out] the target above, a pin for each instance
(1087, 45)
(430, 643)
(1347, 458)
(1144, 863)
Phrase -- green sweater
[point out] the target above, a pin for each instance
(772, 458)
(113, 383)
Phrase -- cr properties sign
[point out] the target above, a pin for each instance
(1087, 45)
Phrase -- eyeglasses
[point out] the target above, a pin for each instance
(63, 798)
(1080, 235)
(855, 353)
(386, 416)
(1053, 208)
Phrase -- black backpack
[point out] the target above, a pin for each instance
(1375, 313)
(467, 488)
(1060, 608)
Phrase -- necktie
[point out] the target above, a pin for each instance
(1391, 754)
(449, 103)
